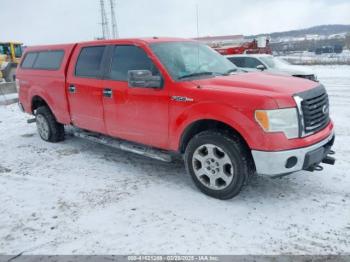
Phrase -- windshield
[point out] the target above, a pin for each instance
(191, 59)
(274, 62)
(18, 50)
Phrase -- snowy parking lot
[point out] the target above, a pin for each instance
(77, 197)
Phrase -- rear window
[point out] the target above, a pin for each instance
(43, 60)
(89, 62)
(50, 60)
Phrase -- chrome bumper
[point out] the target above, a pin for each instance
(274, 163)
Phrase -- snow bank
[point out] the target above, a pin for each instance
(77, 197)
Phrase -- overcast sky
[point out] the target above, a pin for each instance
(59, 21)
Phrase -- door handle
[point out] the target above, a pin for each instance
(71, 89)
(107, 92)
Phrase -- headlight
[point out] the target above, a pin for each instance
(279, 120)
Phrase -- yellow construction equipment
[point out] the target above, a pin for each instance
(10, 55)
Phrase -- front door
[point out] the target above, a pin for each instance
(135, 114)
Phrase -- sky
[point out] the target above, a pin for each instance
(61, 21)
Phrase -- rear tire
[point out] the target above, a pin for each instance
(48, 128)
(218, 164)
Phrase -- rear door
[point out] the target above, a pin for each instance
(135, 114)
(85, 87)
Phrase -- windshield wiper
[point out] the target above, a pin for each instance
(196, 74)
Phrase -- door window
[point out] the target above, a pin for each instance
(238, 61)
(127, 58)
(250, 62)
(18, 50)
(89, 62)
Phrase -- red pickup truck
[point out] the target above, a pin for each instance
(179, 97)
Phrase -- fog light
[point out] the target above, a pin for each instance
(291, 162)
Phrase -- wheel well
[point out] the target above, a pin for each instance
(37, 101)
(203, 125)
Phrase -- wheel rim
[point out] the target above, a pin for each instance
(43, 127)
(212, 166)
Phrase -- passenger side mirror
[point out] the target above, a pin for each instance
(261, 67)
(144, 78)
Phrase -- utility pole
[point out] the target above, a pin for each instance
(104, 21)
(115, 33)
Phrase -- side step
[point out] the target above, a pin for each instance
(123, 145)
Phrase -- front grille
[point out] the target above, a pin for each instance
(314, 108)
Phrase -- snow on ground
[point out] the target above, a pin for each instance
(77, 197)
(8, 98)
(310, 58)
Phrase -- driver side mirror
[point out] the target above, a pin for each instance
(144, 78)
(261, 67)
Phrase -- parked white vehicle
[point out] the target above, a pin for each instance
(269, 63)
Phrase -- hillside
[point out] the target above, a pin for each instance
(315, 30)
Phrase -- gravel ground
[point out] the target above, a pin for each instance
(77, 197)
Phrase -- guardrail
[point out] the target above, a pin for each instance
(8, 93)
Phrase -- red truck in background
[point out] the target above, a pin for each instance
(165, 96)
(250, 47)
(237, 44)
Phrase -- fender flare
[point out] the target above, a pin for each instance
(228, 115)
(37, 92)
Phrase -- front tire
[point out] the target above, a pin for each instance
(218, 164)
(48, 128)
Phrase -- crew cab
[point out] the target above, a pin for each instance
(181, 98)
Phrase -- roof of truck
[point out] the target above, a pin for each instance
(11, 42)
(153, 39)
(147, 40)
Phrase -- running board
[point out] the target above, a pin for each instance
(123, 145)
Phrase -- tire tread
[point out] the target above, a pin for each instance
(247, 163)
(56, 129)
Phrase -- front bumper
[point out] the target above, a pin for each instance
(288, 161)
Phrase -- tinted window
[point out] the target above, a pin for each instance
(127, 58)
(89, 63)
(251, 62)
(49, 60)
(238, 61)
(29, 60)
(18, 50)
(247, 62)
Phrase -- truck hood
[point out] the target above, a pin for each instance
(263, 83)
(292, 70)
